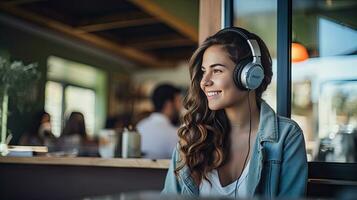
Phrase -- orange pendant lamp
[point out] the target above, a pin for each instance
(298, 52)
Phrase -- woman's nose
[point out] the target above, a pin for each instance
(206, 81)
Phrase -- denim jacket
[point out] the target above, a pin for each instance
(278, 165)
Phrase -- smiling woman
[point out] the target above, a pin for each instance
(232, 143)
(217, 82)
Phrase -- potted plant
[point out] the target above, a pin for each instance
(15, 78)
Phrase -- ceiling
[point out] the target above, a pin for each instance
(139, 30)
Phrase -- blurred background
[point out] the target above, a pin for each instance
(324, 74)
(103, 60)
(100, 59)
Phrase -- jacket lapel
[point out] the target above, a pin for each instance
(267, 132)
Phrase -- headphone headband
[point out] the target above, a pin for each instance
(253, 44)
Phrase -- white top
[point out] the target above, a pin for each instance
(217, 190)
(158, 136)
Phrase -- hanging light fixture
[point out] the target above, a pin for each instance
(298, 52)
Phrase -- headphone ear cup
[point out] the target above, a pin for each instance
(253, 76)
(237, 74)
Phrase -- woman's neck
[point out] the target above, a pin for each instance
(238, 115)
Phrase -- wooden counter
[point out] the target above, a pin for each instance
(88, 161)
(77, 178)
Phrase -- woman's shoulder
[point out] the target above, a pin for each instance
(176, 153)
(177, 160)
(288, 127)
(277, 126)
(284, 121)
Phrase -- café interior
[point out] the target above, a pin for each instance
(101, 60)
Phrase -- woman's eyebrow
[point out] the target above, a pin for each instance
(214, 65)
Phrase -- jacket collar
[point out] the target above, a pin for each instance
(267, 132)
(268, 125)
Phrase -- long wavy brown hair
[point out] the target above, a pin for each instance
(204, 134)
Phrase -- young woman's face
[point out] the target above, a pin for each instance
(217, 79)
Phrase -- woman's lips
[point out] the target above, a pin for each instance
(212, 94)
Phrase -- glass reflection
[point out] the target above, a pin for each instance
(324, 85)
(323, 88)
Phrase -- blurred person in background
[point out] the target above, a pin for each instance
(74, 139)
(40, 132)
(159, 130)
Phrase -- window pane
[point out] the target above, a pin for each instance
(67, 71)
(53, 105)
(324, 99)
(81, 100)
(260, 17)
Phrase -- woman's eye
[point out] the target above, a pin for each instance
(217, 71)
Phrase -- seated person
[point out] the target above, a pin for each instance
(158, 131)
(232, 143)
(74, 139)
(40, 133)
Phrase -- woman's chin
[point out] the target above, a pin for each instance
(214, 107)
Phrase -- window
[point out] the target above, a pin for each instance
(323, 75)
(324, 84)
(73, 86)
(53, 105)
(75, 99)
(81, 100)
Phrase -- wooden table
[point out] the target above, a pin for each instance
(78, 177)
(88, 161)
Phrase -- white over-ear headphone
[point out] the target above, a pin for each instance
(248, 74)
